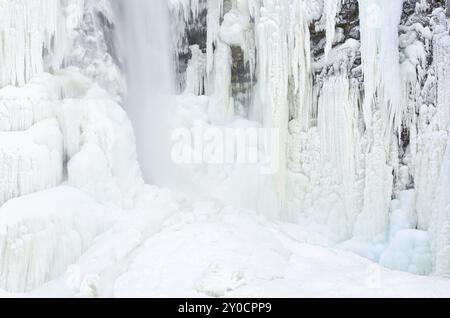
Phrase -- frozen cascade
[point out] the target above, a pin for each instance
(147, 57)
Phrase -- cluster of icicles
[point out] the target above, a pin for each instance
(340, 138)
(27, 29)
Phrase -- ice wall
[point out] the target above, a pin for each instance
(60, 122)
(360, 101)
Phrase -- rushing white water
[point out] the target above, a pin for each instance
(143, 41)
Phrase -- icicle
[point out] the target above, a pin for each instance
(221, 108)
(337, 123)
(31, 30)
(215, 11)
(196, 72)
(380, 57)
(331, 8)
(440, 225)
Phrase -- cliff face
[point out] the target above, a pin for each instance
(359, 92)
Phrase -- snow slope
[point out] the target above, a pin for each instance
(206, 249)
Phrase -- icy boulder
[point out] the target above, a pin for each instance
(43, 233)
(100, 149)
(409, 251)
(30, 160)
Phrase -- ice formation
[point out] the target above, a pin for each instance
(43, 233)
(362, 114)
(356, 90)
(54, 129)
(28, 28)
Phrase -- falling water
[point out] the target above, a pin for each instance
(143, 41)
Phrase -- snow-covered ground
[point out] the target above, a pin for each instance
(170, 247)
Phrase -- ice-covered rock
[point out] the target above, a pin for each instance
(43, 233)
(21, 108)
(30, 160)
(100, 149)
(409, 251)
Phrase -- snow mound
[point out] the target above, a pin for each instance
(409, 251)
(101, 151)
(43, 233)
(214, 251)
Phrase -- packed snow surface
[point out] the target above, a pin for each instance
(170, 247)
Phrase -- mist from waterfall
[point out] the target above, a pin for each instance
(143, 43)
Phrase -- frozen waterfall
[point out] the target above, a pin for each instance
(143, 41)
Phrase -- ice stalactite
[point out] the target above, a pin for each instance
(196, 78)
(185, 14)
(442, 54)
(373, 221)
(215, 12)
(337, 122)
(331, 8)
(325, 162)
(382, 109)
(440, 220)
(381, 62)
(302, 107)
(433, 125)
(27, 29)
(221, 108)
(272, 88)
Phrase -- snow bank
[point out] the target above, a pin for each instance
(41, 234)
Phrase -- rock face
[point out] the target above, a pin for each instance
(357, 89)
